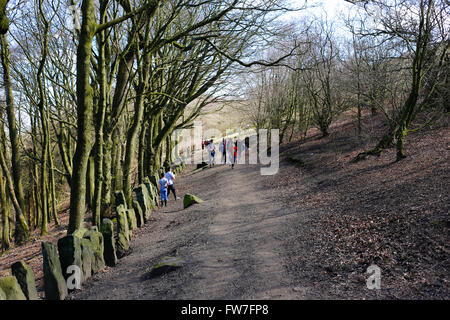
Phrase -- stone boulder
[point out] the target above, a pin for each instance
(152, 193)
(123, 234)
(54, 284)
(178, 168)
(25, 278)
(190, 199)
(154, 180)
(87, 256)
(80, 232)
(148, 194)
(152, 189)
(120, 199)
(201, 165)
(165, 265)
(123, 246)
(147, 183)
(142, 198)
(109, 253)
(131, 218)
(69, 248)
(96, 239)
(122, 221)
(139, 215)
(11, 288)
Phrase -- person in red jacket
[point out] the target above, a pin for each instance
(235, 148)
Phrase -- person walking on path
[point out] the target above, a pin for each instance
(163, 183)
(235, 150)
(240, 148)
(170, 180)
(211, 152)
(230, 148)
(223, 150)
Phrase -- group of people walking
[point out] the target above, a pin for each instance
(166, 184)
(230, 150)
(231, 153)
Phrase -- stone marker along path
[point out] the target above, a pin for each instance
(230, 245)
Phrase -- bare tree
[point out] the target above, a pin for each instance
(420, 30)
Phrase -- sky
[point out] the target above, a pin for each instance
(331, 7)
(334, 10)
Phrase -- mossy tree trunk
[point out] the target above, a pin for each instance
(107, 173)
(22, 232)
(45, 134)
(100, 115)
(133, 133)
(20, 218)
(90, 183)
(85, 126)
(428, 55)
(112, 169)
(117, 162)
(141, 153)
(53, 198)
(4, 215)
(85, 105)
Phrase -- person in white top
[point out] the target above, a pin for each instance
(241, 148)
(170, 180)
(211, 152)
(230, 152)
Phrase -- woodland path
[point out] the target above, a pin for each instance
(231, 244)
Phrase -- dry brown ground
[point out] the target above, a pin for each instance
(378, 211)
(31, 253)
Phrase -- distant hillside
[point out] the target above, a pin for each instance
(223, 116)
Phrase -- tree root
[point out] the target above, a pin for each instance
(386, 142)
(363, 155)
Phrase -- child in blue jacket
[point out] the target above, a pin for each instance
(163, 184)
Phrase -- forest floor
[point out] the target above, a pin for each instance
(308, 232)
(31, 252)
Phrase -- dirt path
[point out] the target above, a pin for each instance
(231, 245)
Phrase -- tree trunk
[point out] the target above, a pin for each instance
(45, 134)
(107, 173)
(100, 119)
(132, 136)
(21, 229)
(117, 162)
(85, 127)
(90, 183)
(4, 214)
(23, 235)
(53, 189)
(142, 147)
(401, 135)
(359, 108)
